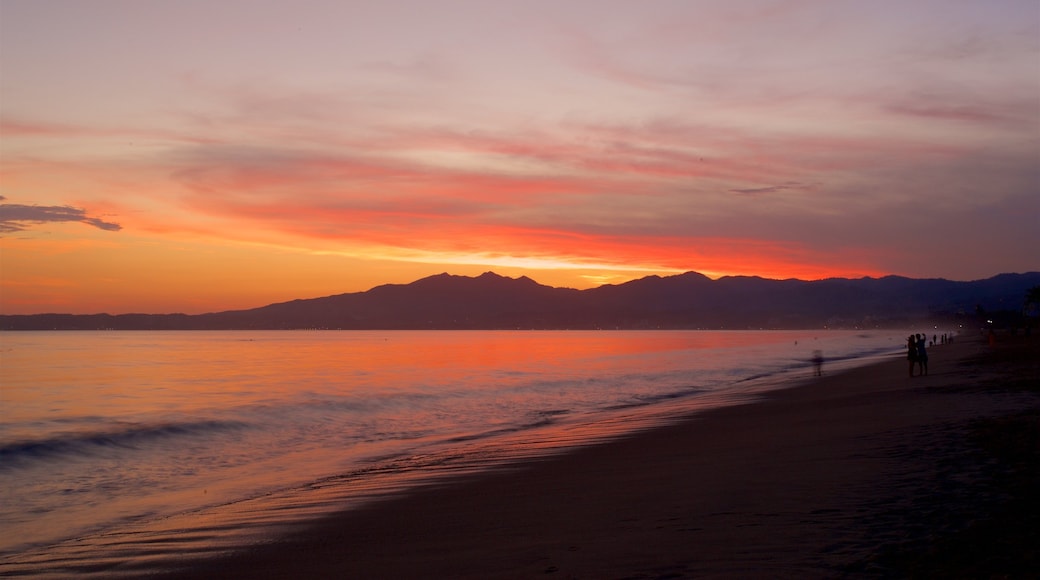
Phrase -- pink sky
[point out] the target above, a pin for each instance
(195, 156)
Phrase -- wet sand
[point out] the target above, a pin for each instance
(864, 473)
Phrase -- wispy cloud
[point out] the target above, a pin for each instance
(14, 127)
(947, 112)
(771, 188)
(16, 217)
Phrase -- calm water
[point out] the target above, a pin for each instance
(111, 442)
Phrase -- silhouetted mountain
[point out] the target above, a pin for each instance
(689, 300)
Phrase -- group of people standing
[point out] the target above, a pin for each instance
(916, 353)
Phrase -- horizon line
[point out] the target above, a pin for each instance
(493, 273)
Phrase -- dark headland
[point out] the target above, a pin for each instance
(686, 301)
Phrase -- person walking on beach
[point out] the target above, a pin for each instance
(911, 352)
(922, 354)
(817, 361)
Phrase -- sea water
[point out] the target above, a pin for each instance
(179, 441)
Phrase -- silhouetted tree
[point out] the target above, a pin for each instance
(1033, 295)
(1031, 308)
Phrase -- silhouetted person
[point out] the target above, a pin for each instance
(922, 353)
(911, 352)
(817, 361)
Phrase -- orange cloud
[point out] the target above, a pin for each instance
(618, 203)
(573, 203)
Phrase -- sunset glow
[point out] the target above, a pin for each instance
(195, 156)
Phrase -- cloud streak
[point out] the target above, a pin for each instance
(15, 217)
(791, 185)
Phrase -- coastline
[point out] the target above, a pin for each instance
(862, 472)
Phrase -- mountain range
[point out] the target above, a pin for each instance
(689, 300)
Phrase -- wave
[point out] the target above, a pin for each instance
(656, 398)
(535, 420)
(128, 437)
(862, 354)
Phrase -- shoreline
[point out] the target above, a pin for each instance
(865, 472)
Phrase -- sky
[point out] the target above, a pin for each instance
(200, 155)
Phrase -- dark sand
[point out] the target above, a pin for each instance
(865, 473)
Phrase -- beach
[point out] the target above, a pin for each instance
(861, 473)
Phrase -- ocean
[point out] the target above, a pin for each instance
(122, 452)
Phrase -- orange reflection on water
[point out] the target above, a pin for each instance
(113, 425)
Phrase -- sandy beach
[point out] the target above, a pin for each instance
(863, 473)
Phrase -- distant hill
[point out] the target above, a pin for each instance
(690, 300)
